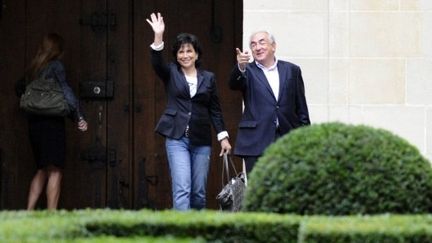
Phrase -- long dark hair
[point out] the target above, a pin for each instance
(186, 38)
(50, 48)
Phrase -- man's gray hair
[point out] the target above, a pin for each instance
(271, 37)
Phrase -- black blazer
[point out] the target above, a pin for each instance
(182, 110)
(257, 127)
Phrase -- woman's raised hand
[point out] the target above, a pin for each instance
(157, 23)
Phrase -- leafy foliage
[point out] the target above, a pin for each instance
(105, 225)
(339, 169)
(139, 226)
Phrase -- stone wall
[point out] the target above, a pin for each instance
(363, 61)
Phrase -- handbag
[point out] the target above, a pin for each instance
(231, 196)
(44, 96)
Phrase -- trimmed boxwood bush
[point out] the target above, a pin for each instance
(126, 226)
(378, 228)
(339, 169)
(211, 225)
(133, 226)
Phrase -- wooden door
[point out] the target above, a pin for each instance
(98, 36)
(105, 54)
(120, 162)
(13, 130)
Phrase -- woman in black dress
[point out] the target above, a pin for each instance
(47, 133)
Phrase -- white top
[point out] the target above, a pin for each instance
(272, 75)
(192, 82)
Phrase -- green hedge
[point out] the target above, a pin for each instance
(339, 169)
(111, 239)
(209, 225)
(212, 226)
(90, 226)
(379, 229)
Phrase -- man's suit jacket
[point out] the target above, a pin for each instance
(257, 128)
(198, 112)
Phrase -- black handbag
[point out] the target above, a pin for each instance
(231, 196)
(44, 97)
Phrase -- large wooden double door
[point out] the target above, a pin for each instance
(119, 162)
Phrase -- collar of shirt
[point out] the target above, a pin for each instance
(271, 68)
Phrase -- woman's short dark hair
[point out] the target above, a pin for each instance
(186, 38)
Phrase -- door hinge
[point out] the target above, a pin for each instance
(99, 21)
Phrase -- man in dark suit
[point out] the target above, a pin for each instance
(273, 95)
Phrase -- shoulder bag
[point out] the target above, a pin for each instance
(231, 196)
(44, 97)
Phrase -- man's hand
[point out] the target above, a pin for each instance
(242, 59)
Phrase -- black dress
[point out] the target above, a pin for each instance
(47, 133)
(48, 140)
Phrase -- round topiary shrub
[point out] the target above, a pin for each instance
(338, 169)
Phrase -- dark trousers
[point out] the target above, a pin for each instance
(251, 160)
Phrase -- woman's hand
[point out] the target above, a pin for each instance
(156, 23)
(225, 147)
(82, 125)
